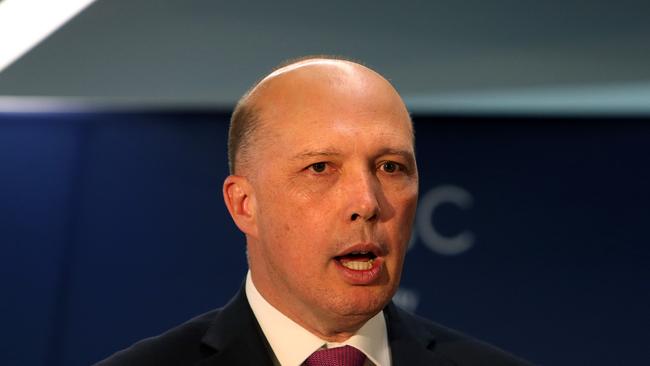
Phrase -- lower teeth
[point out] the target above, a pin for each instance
(358, 266)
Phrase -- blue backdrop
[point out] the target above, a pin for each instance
(532, 233)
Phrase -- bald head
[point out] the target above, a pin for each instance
(317, 85)
(326, 165)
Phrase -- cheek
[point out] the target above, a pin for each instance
(310, 206)
(410, 196)
(292, 224)
(311, 194)
(404, 201)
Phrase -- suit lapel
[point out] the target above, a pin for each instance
(235, 338)
(411, 343)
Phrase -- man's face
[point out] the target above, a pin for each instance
(335, 189)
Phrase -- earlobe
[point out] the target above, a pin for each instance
(239, 197)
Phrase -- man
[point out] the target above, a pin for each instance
(324, 186)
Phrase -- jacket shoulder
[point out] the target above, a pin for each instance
(177, 346)
(460, 349)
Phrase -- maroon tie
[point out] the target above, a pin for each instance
(339, 356)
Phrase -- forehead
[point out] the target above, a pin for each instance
(330, 102)
(337, 135)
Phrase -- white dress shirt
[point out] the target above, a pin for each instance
(292, 344)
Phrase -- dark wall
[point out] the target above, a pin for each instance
(531, 233)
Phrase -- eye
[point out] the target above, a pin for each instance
(390, 166)
(318, 167)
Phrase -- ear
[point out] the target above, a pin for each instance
(239, 196)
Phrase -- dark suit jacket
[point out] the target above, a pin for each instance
(231, 336)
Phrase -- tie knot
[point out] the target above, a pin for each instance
(339, 356)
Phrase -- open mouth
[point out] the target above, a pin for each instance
(358, 260)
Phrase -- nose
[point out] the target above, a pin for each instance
(363, 199)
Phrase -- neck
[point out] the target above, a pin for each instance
(328, 327)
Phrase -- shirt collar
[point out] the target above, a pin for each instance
(292, 344)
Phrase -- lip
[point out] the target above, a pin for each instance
(363, 247)
(362, 277)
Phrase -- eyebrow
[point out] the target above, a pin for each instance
(406, 154)
(317, 153)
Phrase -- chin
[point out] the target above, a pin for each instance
(362, 302)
